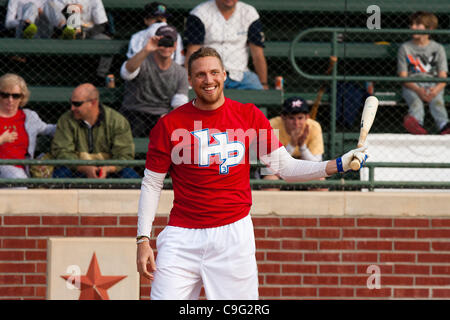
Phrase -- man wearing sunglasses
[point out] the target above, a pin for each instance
(155, 84)
(92, 131)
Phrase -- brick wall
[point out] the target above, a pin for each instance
(298, 257)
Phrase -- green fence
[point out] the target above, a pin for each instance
(300, 37)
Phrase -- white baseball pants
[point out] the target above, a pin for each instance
(221, 259)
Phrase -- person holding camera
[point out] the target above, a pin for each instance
(154, 84)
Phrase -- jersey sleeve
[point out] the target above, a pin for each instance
(267, 139)
(401, 60)
(195, 30)
(256, 34)
(159, 149)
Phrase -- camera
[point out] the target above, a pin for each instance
(165, 42)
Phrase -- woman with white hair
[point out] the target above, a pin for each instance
(19, 127)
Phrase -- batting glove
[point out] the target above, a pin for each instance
(343, 163)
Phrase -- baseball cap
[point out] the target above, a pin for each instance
(156, 9)
(295, 105)
(167, 31)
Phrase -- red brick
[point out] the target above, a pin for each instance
(129, 221)
(411, 293)
(441, 246)
(323, 233)
(360, 257)
(60, 220)
(320, 280)
(411, 269)
(269, 291)
(396, 281)
(397, 233)
(269, 268)
(411, 246)
(41, 291)
(299, 268)
(376, 293)
(441, 269)
(16, 291)
(36, 255)
(336, 222)
(384, 268)
(336, 292)
(45, 231)
(360, 233)
(283, 279)
(84, 232)
(299, 244)
(432, 281)
(99, 221)
(321, 256)
(266, 222)
(299, 222)
(11, 279)
(12, 232)
(337, 245)
(41, 267)
(35, 279)
(17, 267)
(374, 222)
(406, 222)
(374, 245)
(268, 244)
(260, 233)
(21, 220)
(11, 255)
(19, 243)
(284, 233)
(298, 292)
(440, 223)
(397, 257)
(340, 268)
(161, 221)
(284, 256)
(441, 293)
(119, 232)
(434, 257)
(433, 233)
(354, 280)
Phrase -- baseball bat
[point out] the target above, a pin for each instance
(323, 87)
(368, 115)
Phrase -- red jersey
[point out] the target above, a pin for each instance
(207, 154)
(19, 148)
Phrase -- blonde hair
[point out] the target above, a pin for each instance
(9, 80)
(202, 53)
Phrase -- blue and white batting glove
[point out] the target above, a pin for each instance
(343, 163)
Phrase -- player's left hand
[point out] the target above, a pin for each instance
(343, 162)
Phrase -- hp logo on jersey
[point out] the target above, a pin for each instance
(230, 153)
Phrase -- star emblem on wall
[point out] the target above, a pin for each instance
(94, 285)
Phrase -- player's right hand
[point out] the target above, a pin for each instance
(145, 260)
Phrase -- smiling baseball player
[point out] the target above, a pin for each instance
(205, 146)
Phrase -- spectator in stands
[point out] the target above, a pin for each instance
(155, 16)
(230, 27)
(29, 18)
(154, 84)
(423, 57)
(19, 127)
(83, 19)
(301, 135)
(92, 131)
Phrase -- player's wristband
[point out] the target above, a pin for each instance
(339, 165)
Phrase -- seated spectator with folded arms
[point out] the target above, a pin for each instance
(19, 127)
(92, 131)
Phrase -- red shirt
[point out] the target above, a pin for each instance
(207, 156)
(18, 148)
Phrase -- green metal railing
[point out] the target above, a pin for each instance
(334, 183)
(335, 77)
